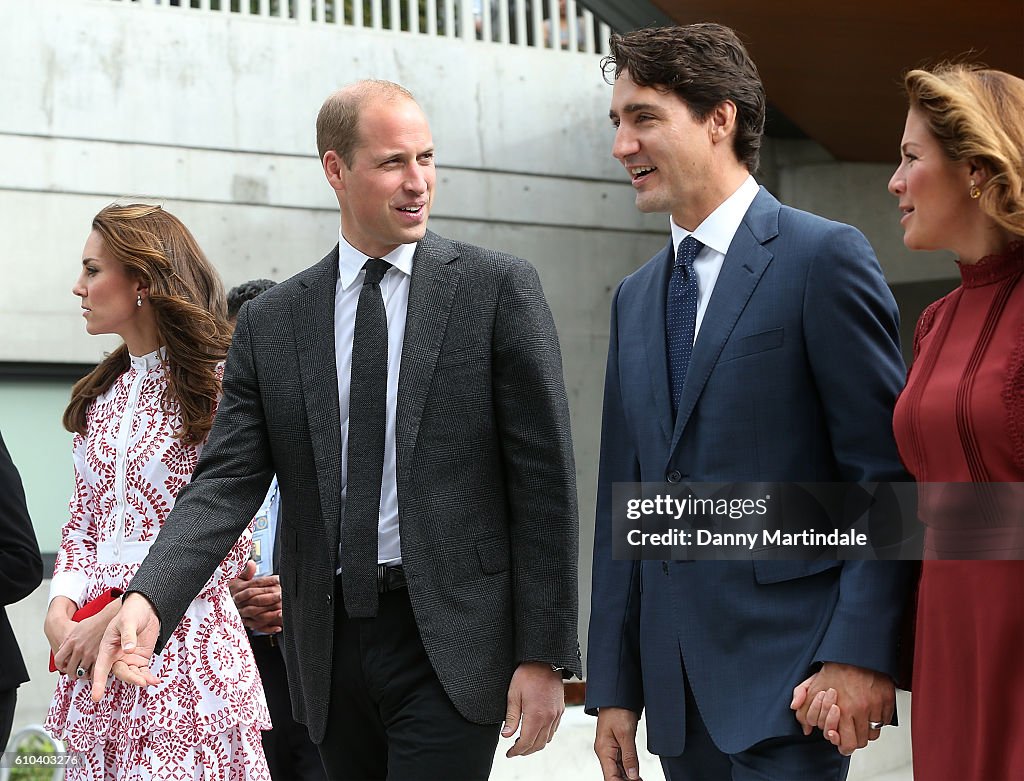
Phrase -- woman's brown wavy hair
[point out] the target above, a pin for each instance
(978, 114)
(188, 300)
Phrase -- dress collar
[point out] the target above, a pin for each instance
(149, 361)
(993, 268)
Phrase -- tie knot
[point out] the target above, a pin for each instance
(687, 252)
(375, 269)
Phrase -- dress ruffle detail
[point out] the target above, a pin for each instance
(993, 268)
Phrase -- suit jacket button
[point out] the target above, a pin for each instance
(330, 599)
(664, 567)
(674, 476)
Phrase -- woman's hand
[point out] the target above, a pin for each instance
(58, 621)
(81, 644)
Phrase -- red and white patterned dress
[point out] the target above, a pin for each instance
(203, 720)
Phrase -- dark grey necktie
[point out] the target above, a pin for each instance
(367, 411)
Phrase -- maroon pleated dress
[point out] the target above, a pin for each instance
(960, 420)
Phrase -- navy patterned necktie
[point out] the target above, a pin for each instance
(367, 414)
(681, 316)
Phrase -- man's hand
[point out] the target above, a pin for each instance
(258, 600)
(536, 696)
(127, 646)
(615, 744)
(841, 700)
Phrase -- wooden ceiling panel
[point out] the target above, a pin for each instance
(835, 68)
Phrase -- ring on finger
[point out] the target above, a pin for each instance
(876, 724)
(80, 672)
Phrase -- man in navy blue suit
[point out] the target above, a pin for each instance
(760, 345)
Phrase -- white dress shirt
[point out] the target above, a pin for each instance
(716, 234)
(394, 287)
(264, 532)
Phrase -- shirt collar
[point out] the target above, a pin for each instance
(720, 226)
(149, 361)
(351, 260)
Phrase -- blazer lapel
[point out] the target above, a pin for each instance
(742, 269)
(435, 278)
(653, 297)
(313, 318)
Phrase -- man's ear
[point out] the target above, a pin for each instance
(333, 169)
(722, 121)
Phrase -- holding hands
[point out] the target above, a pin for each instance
(849, 704)
(127, 646)
(75, 643)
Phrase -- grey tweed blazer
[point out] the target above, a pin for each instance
(486, 480)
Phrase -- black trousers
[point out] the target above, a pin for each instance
(291, 755)
(389, 717)
(8, 700)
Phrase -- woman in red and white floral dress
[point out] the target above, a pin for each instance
(140, 419)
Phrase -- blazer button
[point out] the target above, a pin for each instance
(664, 567)
(674, 476)
(330, 598)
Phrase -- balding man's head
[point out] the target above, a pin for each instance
(337, 124)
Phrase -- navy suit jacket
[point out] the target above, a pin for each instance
(793, 377)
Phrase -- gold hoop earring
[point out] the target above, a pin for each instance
(975, 191)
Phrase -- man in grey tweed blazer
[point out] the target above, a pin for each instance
(476, 622)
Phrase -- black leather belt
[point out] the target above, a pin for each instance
(270, 640)
(390, 578)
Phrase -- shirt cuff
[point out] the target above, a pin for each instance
(69, 584)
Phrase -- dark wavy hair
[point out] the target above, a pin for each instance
(246, 291)
(187, 297)
(705, 65)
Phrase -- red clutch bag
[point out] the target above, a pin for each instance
(91, 608)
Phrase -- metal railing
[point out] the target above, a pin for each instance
(550, 24)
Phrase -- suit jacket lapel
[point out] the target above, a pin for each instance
(742, 268)
(313, 318)
(657, 357)
(435, 279)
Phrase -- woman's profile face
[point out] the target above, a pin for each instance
(109, 296)
(933, 191)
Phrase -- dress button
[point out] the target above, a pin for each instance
(674, 476)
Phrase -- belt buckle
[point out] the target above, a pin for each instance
(382, 578)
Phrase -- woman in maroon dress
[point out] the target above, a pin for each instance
(960, 420)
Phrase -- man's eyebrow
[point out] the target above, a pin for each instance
(633, 108)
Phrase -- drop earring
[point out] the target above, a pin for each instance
(975, 191)
(138, 300)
